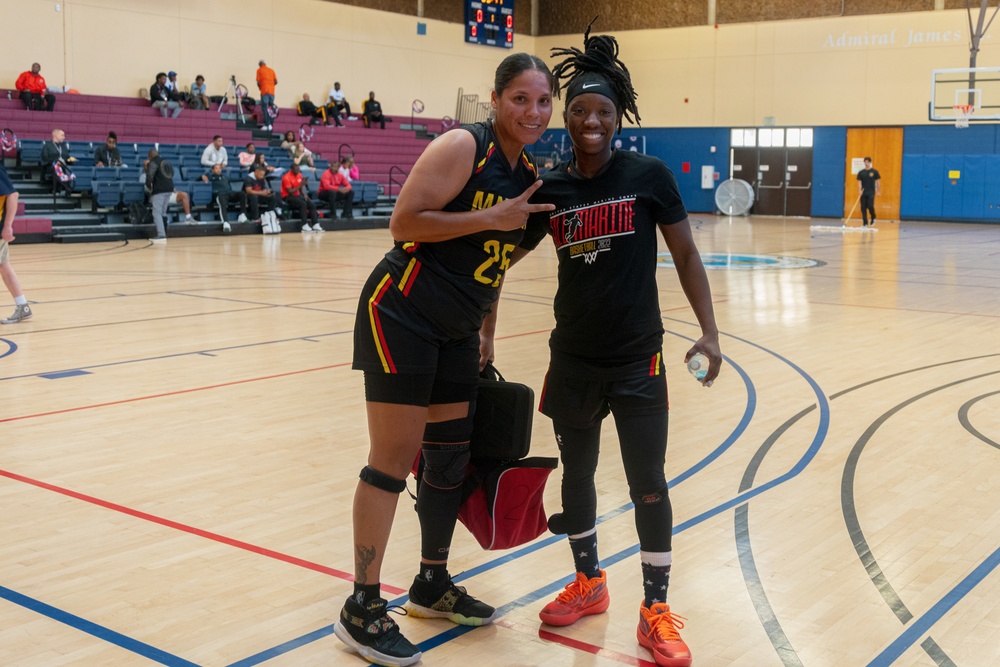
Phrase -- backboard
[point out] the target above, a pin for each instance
(954, 90)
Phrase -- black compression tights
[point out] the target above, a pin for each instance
(643, 440)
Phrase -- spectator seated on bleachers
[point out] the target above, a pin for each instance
(307, 109)
(335, 188)
(215, 153)
(261, 161)
(295, 193)
(259, 193)
(302, 156)
(338, 104)
(247, 157)
(56, 161)
(198, 98)
(222, 192)
(33, 92)
(371, 111)
(163, 98)
(107, 154)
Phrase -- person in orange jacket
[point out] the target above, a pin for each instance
(266, 81)
(33, 92)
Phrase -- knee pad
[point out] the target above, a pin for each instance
(382, 481)
(446, 452)
(651, 497)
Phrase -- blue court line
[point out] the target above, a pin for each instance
(11, 347)
(63, 374)
(99, 631)
(921, 625)
(209, 352)
(558, 585)
(284, 648)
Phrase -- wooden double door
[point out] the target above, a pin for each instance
(884, 145)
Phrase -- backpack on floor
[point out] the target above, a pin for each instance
(269, 223)
(139, 214)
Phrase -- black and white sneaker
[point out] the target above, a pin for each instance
(432, 600)
(369, 631)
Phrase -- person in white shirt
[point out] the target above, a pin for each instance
(215, 153)
(338, 100)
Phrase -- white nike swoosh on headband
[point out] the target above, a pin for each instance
(589, 85)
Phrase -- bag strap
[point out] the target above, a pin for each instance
(490, 372)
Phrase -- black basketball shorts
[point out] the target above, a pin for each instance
(580, 396)
(404, 358)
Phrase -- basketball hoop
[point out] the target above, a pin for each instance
(963, 112)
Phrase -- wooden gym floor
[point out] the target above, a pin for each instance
(180, 435)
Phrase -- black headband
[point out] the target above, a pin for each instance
(592, 82)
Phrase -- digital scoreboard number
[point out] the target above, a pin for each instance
(490, 22)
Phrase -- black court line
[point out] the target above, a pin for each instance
(963, 419)
(871, 565)
(751, 575)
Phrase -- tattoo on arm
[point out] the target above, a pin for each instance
(365, 557)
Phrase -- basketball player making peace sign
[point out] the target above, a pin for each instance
(458, 218)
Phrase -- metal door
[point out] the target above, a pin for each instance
(770, 184)
(798, 181)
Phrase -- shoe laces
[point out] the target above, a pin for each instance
(579, 587)
(664, 623)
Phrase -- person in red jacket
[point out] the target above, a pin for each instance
(33, 92)
(335, 188)
(296, 195)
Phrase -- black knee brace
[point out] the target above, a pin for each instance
(382, 481)
(446, 452)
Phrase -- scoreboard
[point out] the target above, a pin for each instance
(490, 22)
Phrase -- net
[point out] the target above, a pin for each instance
(963, 112)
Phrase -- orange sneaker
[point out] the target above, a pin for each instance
(581, 597)
(657, 631)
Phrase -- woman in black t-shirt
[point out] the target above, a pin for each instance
(606, 348)
(458, 218)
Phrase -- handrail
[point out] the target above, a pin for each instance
(392, 180)
(340, 151)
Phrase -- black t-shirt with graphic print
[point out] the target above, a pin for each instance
(605, 233)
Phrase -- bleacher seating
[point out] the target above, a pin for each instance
(87, 119)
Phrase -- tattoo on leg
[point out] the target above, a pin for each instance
(366, 556)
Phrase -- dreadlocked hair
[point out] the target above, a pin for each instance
(599, 56)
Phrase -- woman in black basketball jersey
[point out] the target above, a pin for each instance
(606, 348)
(457, 220)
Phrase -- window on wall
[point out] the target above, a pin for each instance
(766, 137)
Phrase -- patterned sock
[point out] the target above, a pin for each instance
(655, 576)
(366, 592)
(584, 548)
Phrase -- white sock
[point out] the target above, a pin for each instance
(20, 301)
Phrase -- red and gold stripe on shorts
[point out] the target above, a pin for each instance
(380, 345)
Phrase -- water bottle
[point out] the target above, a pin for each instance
(698, 366)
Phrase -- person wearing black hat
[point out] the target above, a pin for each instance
(606, 351)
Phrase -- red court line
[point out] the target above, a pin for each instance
(246, 546)
(575, 644)
(171, 393)
(173, 524)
